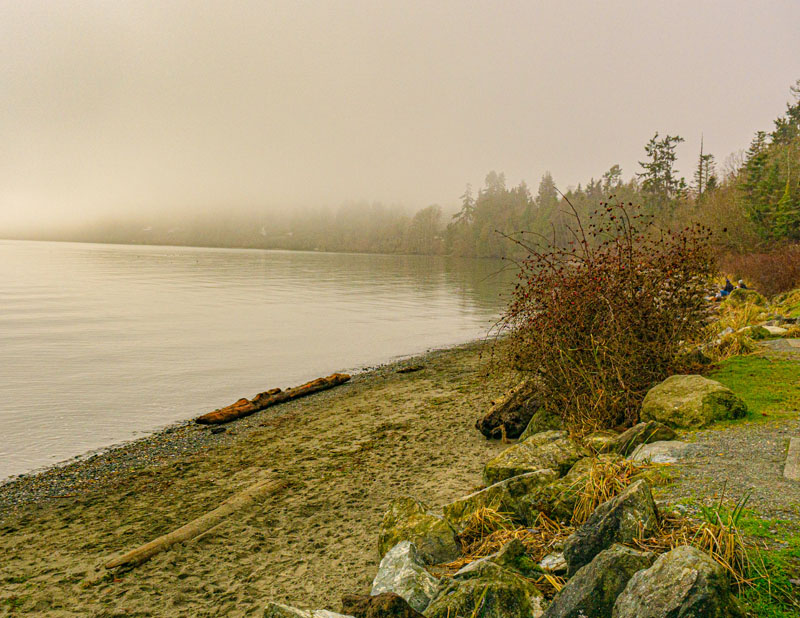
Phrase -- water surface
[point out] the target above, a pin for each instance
(102, 343)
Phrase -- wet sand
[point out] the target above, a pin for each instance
(345, 454)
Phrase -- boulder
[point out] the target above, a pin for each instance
(641, 433)
(384, 605)
(670, 451)
(776, 330)
(629, 515)
(492, 590)
(541, 421)
(410, 520)
(683, 583)
(513, 411)
(558, 499)
(504, 496)
(548, 450)
(601, 441)
(278, 610)
(691, 401)
(403, 572)
(593, 590)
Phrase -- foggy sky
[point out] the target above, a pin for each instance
(124, 106)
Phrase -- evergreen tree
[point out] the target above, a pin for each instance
(660, 182)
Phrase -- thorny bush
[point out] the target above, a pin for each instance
(603, 318)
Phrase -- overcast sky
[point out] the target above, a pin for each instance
(112, 107)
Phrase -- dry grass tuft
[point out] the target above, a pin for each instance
(489, 530)
(738, 316)
(734, 344)
(605, 479)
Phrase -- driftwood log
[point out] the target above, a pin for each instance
(246, 407)
(196, 527)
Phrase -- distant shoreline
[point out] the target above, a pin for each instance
(120, 243)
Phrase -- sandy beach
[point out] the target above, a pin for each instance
(344, 453)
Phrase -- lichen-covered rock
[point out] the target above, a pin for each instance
(740, 297)
(632, 514)
(691, 401)
(542, 421)
(601, 441)
(504, 496)
(777, 331)
(410, 520)
(383, 605)
(558, 499)
(403, 572)
(278, 610)
(641, 433)
(593, 590)
(683, 583)
(499, 592)
(512, 412)
(548, 450)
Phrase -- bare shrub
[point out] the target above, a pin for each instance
(603, 319)
(770, 273)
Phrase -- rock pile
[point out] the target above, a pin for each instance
(543, 474)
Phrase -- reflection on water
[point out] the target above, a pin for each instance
(101, 342)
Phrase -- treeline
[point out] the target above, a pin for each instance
(752, 204)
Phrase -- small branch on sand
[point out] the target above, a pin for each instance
(246, 407)
(196, 527)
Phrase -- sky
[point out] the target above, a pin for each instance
(114, 108)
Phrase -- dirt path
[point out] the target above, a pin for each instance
(346, 454)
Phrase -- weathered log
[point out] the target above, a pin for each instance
(195, 527)
(246, 407)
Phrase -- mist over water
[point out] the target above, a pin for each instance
(101, 343)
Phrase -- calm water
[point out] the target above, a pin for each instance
(102, 343)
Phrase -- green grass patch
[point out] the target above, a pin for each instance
(770, 387)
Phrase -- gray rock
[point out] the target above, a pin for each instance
(670, 451)
(691, 401)
(278, 610)
(683, 583)
(629, 515)
(512, 556)
(593, 590)
(403, 572)
(548, 450)
(554, 563)
(542, 421)
(410, 520)
(776, 330)
(641, 433)
(504, 496)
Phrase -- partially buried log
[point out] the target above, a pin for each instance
(246, 407)
(196, 527)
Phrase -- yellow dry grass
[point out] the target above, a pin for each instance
(606, 478)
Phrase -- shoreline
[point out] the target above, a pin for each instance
(70, 477)
(344, 453)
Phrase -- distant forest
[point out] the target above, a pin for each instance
(751, 202)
